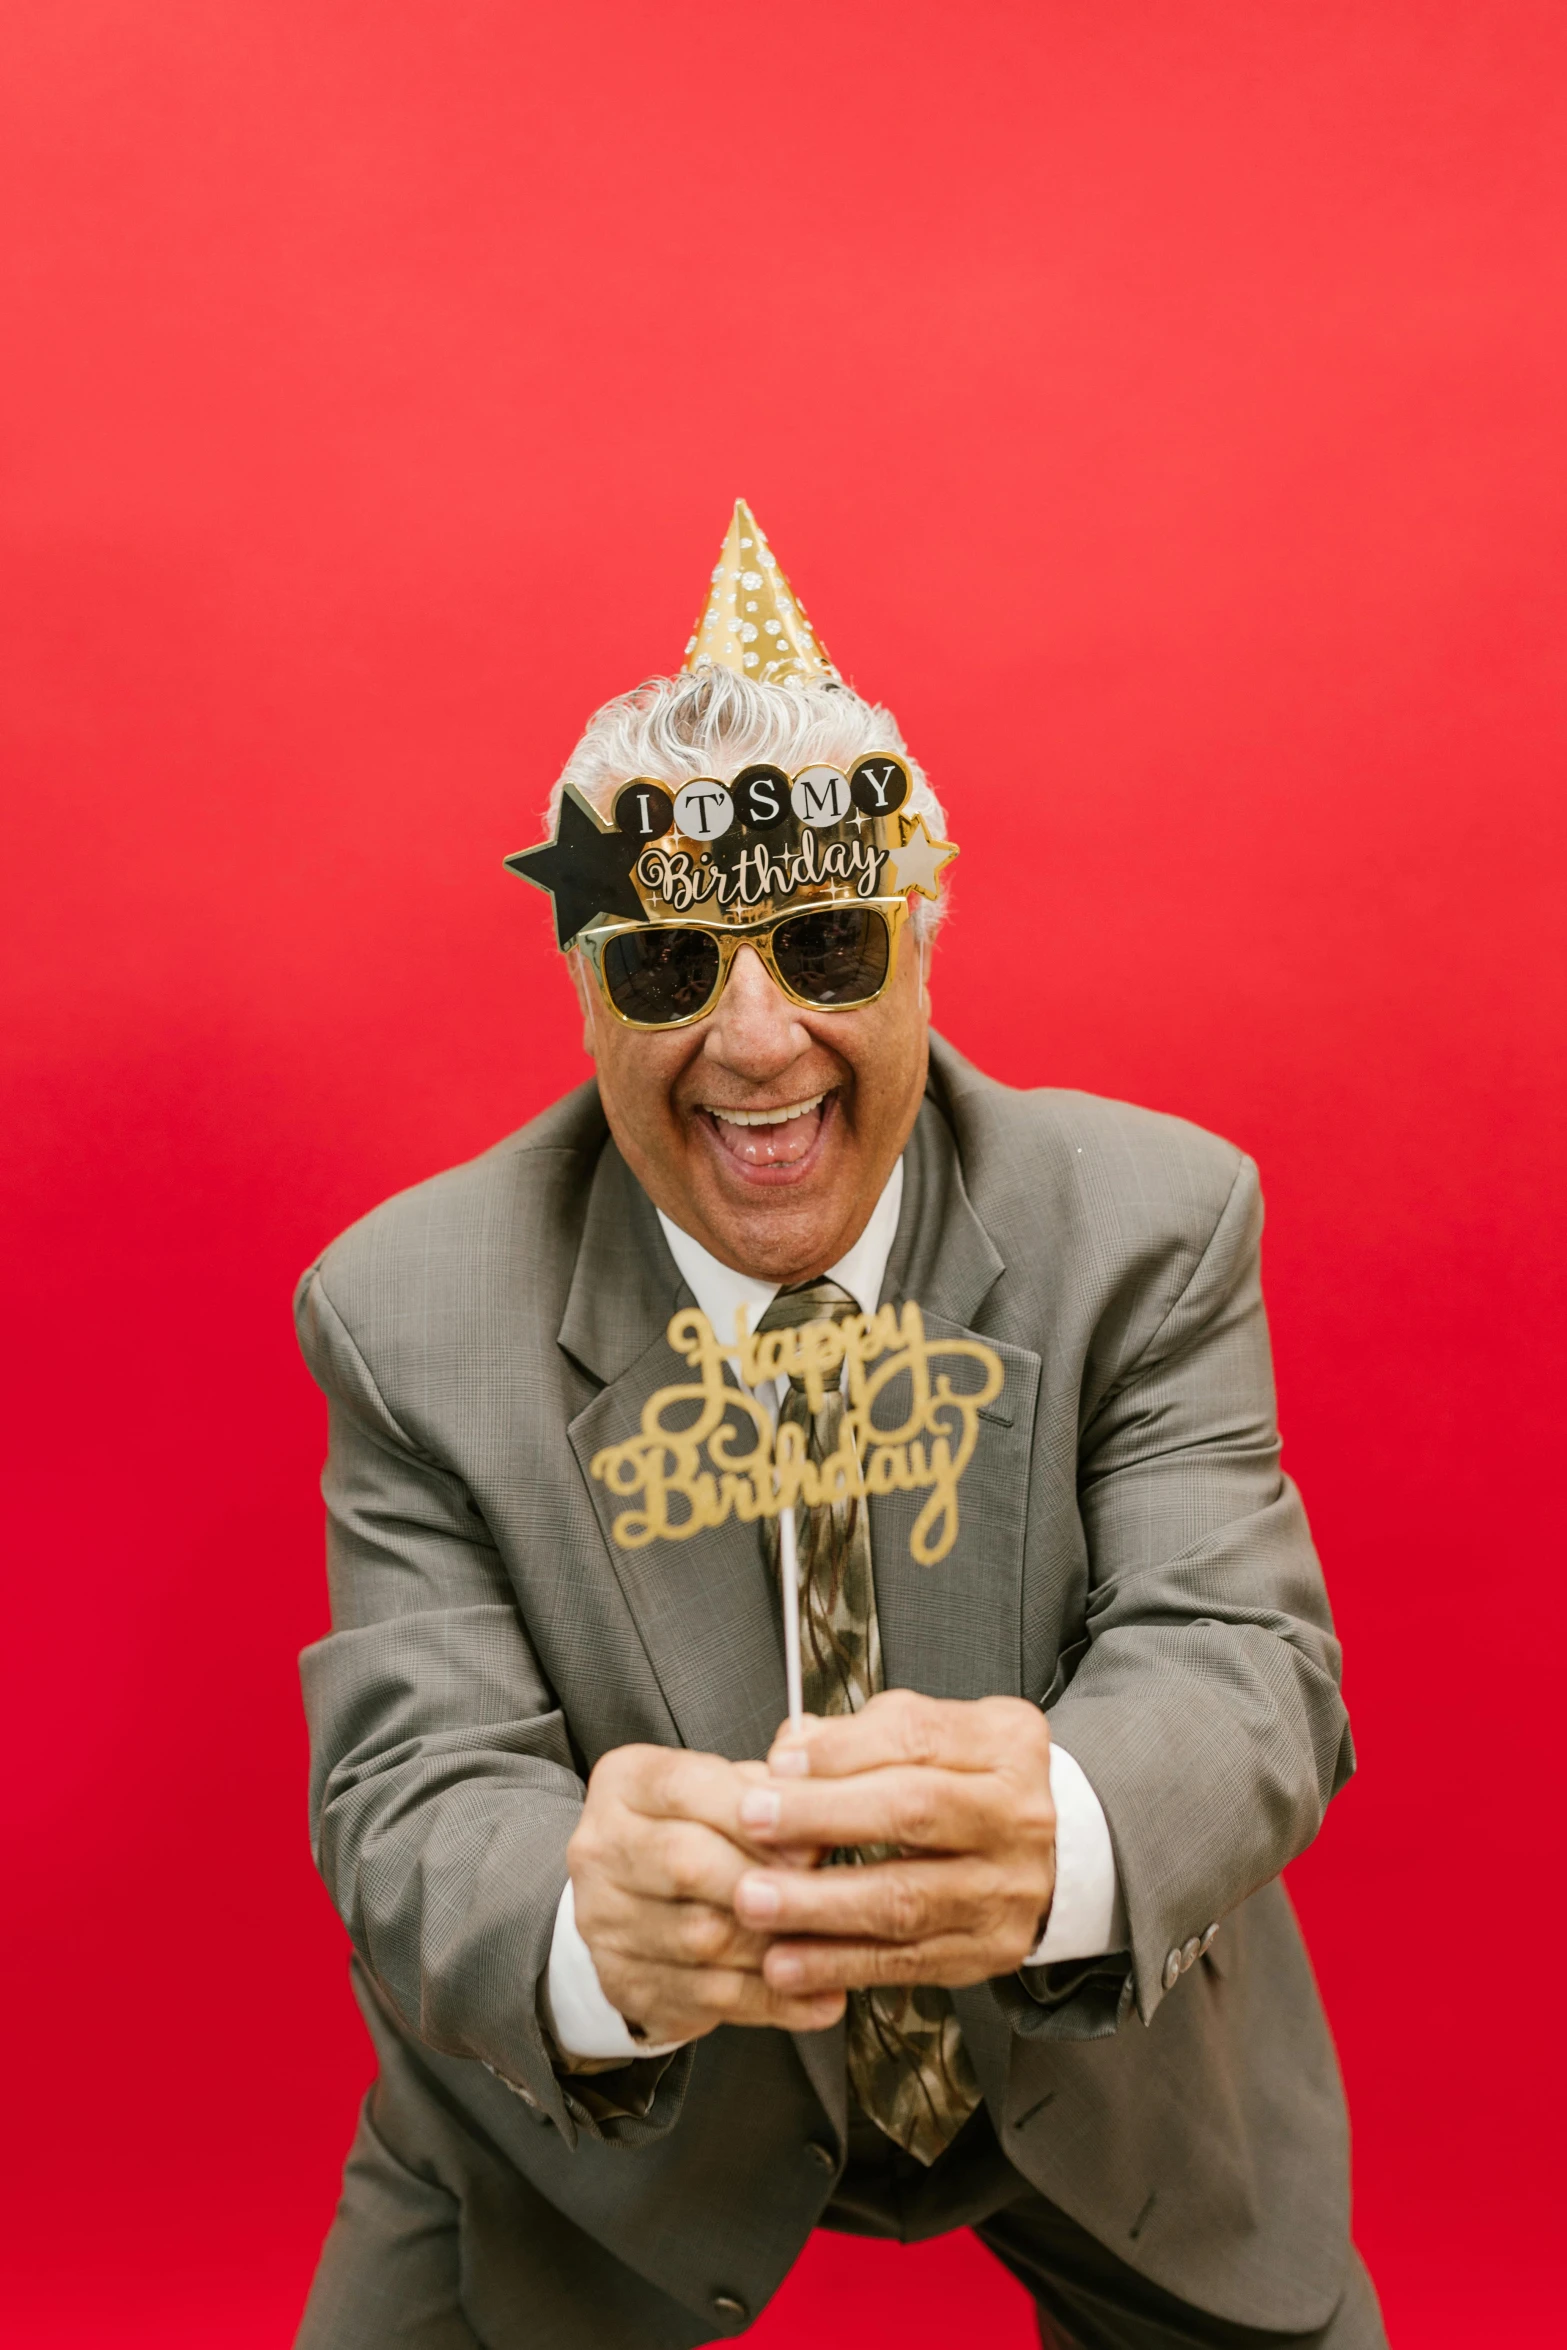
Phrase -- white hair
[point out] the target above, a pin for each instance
(714, 723)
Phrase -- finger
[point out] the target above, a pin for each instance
(808, 1969)
(672, 2003)
(900, 1726)
(673, 1933)
(912, 1806)
(668, 1782)
(674, 1860)
(890, 1901)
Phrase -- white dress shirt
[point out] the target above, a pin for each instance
(1086, 1912)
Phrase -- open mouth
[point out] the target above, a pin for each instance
(784, 1137)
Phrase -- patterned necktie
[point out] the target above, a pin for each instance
(907, 2063)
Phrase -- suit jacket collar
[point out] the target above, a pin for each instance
(943, 1255)
(625, 1284)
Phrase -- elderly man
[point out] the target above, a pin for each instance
(993, 1935)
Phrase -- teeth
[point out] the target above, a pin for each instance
(768, 1117)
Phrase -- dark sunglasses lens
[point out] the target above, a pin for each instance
(839, 956)
(656, 976)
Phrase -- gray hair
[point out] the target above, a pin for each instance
(714, 723)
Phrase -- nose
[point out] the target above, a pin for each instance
(755, 1030)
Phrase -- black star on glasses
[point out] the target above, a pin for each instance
(586, 868)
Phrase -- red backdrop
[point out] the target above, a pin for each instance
(1162, 408)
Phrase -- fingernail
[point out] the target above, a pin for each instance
(790, 1762)
(785, 1970)
(757, 1897)
(760, 1808)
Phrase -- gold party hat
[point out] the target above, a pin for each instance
(753, 622)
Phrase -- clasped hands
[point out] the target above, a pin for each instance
(698, 1894)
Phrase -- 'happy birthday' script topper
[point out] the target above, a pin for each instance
(929, 1447)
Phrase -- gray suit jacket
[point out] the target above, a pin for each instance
(1129, 1556)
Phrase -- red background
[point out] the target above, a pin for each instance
(1162, 408)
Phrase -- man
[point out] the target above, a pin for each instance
(636, 2036)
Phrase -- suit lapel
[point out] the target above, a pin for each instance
(702, 1608)
(955, 1629)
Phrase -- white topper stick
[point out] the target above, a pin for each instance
(789, 1560)
(789, 1578)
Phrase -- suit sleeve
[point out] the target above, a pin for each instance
(1205, 1709)
(443, 1789)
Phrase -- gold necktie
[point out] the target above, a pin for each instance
(907, 2063)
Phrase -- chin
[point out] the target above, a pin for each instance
(779, 1235)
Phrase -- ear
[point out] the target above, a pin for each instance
(926, 947)
(581, 982)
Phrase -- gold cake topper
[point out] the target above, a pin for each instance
(755, 1470)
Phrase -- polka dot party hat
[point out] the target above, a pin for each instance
(753, 622)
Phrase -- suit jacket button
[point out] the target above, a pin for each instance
(1208, 1933)
(821, 2154)
(1189, 1952)
(1172, 1970)
(728, 2305)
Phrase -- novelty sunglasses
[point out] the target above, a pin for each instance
(829, 958)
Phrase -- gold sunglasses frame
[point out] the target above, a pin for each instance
(729, 938)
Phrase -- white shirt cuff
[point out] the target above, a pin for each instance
(579, 2016)
(1087, 1916)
